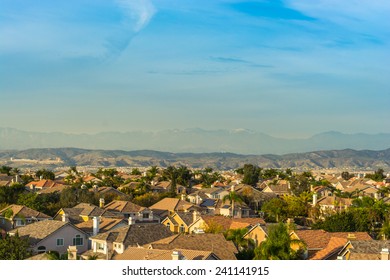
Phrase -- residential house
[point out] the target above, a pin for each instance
(51, 235)
(128, 209)
(279, 188)
(98, 225)
(82, 212)
(317, 240)
(257, 233)
(15, 216)
(241, 210)
(223, 223)
(332, 204)
(109, 192)
(133, 253)
(181, 222)
(215, 243)
(119, 239)
(168, 206)
(365, 250)
(43, 184)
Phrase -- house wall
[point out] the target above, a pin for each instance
(257, 235)
(67, 233)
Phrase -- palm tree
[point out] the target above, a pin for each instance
(232, 197)
(278, 245)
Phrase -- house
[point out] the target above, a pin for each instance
(331, 204)
(128, 209)
(79, 213)
(365, 250)
(100, 224)
(15, 216)
(119, 239)
(223, 223)
(106, 192)
(279, 188)
(168, 206)
(42, 184)
(51, 235)
(181, 222)
(215, 243)
(317, 240)
(133, 253)
(257, 233)
(241, 210)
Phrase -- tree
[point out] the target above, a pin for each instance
(5, 170)
(244, 246)
(346, 176)
(377, 176)
(275, 209)
(135, 171)
(172, 174)
(251, 174)
(14, 248)
(278, 245)
(45, 174)
(300, 183)
(233, 198)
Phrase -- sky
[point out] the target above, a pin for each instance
(288, 68)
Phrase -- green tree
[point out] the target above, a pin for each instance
(300, 183)
(244, 245)
(377, 176)
(251, 174)
(278, 245)
(233, 198)
(5, 170)
(275, 209)
(346, 176)
(45, 174)
(14, 248)
(135, 171)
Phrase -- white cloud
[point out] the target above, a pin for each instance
(140, 11)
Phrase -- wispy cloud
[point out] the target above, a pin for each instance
(140, 11)
(239, 61)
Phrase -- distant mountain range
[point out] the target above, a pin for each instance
(240, 141)
(340, 159)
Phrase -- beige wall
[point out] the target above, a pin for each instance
(67, 233)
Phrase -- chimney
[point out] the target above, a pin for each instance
(131, 220)
(314, 199)
(72, 253)
(183, 197)
(17, 178)
(95, 226)
(101, 202)
(385, 254)
(376, 196)
(40, 178)
(65, 218)
(176, 256)
(195, 216)
(232, 188)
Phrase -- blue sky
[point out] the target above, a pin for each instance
(288, 68)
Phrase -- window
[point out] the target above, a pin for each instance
(145, 215)
(78, 240)
(60, 242)
(181, 229)
(41, 249)
(168, 225)
(100, 246)
(20, 223)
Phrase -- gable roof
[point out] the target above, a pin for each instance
(232, 223)
(24, 211)
(367, 249)
(319, 239)
(105, 225)
(216, 243)
(133, 253)
(135, 235)
(334, 246)
(123, 206)
(38, 231)
(44, 183)
(172, 204)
